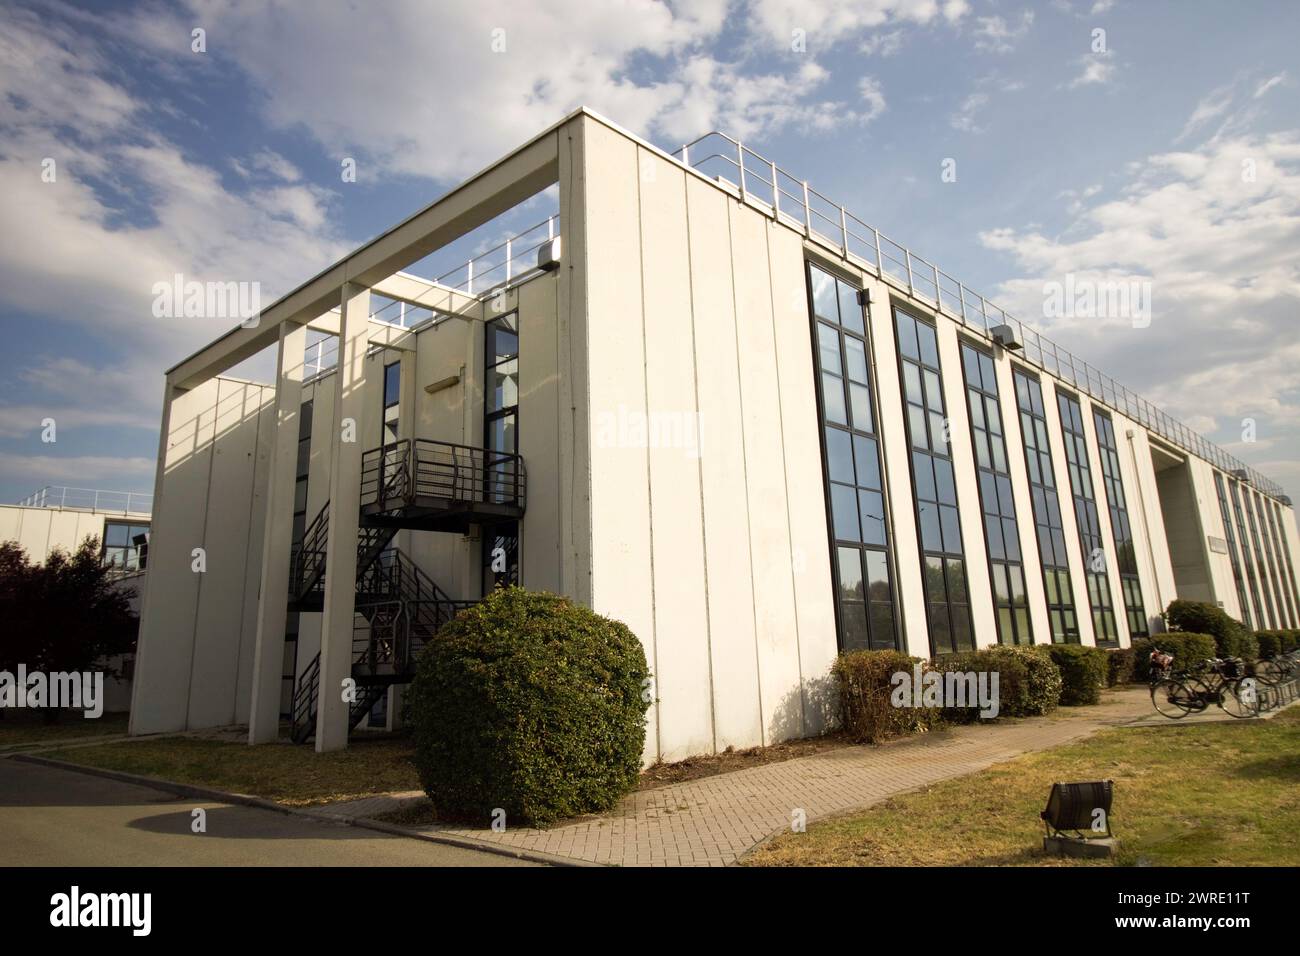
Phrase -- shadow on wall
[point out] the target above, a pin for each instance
(809, 711)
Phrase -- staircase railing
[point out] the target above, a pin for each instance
(304, 702)
(393, 474)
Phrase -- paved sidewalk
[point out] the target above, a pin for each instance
(714, 820)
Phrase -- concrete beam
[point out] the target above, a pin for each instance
(482, 198)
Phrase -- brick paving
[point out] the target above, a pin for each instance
(714, 820)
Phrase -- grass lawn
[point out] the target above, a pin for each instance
(29, 727)
(1225, 794)
(292, 775)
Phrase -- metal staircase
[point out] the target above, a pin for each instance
(422, 485)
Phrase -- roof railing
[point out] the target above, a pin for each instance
(94, 499)
(784, 197)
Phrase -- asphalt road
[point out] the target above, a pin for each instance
(52, 817)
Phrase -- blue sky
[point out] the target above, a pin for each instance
(225, 165)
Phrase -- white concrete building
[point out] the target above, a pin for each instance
(59, 517)
(734, 417)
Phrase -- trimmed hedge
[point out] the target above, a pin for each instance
(1231, 637)
(1188, 650)
(1120, 664)
(1029, 683)
(529, 703)
(1084, 671)
(868, 715)
(1274, 642)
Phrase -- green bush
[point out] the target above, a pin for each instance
(1188, 650)
(1013, 675)
(529, 703)
(866, 686)
(1120, 663)
(1083, 669)
(1270, 643)
(1231, 637)
(1274, 642)
(1029, 683)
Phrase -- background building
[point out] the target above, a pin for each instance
(725, 411)
(62, 517)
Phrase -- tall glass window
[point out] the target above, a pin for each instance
(1284, 549)
(1047, 510)
(943, 562)
(1085, 515)
(1247, 559)
(1267, 532)
(303, 470)
(1121, 530)
(859, 530)
(1259, 556)
(1231, 536)
(500, 540)
(1001, 533)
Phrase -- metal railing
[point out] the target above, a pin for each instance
(392, 475)
(94, 499)
(760, 182)
(504, 262)
(495, 268)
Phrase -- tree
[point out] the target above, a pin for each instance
(62, 616)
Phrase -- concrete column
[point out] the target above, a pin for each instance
(140, 686)
(344, 514)
(277, 540)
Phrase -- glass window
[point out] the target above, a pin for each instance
(1085, 510)
(1121, 530)
(933, 485)
(858, 516)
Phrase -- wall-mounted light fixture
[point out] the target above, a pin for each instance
(548, 255)
(1006, 336)
(1241, 474)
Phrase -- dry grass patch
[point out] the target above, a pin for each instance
(291, 775)
(1225, 794)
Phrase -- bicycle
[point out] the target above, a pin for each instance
(1222, 681)
(1277, 669)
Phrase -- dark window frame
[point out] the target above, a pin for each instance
(945, 558)
(1097, 583)
(1117, 503)
(870, 616)
(1056, 573)
(1017, 627)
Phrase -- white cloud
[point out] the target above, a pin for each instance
(1268, 84)
(79, 470)
(1097, 69)
(1220, 253)
(827, 22)
(995, 35)
(965, 117)
(883, 44)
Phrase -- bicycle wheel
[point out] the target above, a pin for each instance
(1171, 699)
(1240, 698)
(1272, 671)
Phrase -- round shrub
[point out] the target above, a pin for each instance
(529, 703)
(1084, 671)
(1043, 690)
(865, 682)
(1231, 637)
(1188, 650)
(1120, 664)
